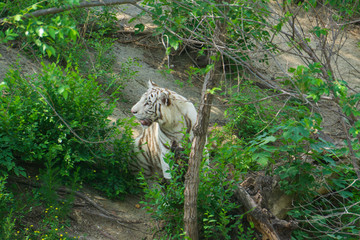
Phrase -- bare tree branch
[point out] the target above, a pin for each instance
(84, 4)
(265, 222)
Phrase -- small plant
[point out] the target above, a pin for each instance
(104, 20)
(113, 83)
(247, 119)
(7, 219)
(104, 176)
(102, 66)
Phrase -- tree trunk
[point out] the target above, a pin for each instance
(196, 154)
(200, 131)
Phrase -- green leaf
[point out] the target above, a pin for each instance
(292, 70)
(262, 158)
(212, 91)
(64, 91)
(41, 32)
(52, 33)
(319, 31)
(65, 94)
(38, 42)
(50, 50)
(346, 194)
(168, 50)
(139, 28)
(17, 17)
(61, 89)
(61, 35)
(132, 19)
(174, 42)
(296, 133)
(73, 34)
(267, 139)
(209, 67)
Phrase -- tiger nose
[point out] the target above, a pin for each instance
(133, 111)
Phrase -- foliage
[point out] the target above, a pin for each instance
(178, 20)
(7, 222)
(47, 34)
(17, 206)
(309, 163)
(193, 24)
(77, 134)
(334, 214)
(288, 145)
(217, 213)
(247, 119)
(111, 175)
(103, 20)
(344, 9)
(293, 148)
(57, 36)
(339, 175)
(307, 82)
(59, 121)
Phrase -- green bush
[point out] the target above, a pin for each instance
(59, 116)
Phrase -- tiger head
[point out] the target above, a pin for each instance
(148, 109)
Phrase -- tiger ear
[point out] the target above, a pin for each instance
(165, 98)
(151, 84)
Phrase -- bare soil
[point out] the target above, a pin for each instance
(126, 219)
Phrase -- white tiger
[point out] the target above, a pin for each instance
(164, 115)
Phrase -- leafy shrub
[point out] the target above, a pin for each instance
(103, 65)
(62, 117)
(333, 215)
(80, 38)
(103, 19)
(294, 150)
(59, 120)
